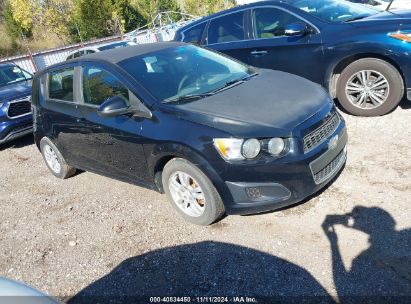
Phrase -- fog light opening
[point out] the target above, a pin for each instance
(253, 192)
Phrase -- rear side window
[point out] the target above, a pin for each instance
(61, 84)
(271, 22)
(194, 34)
(227, 28)
(100, 85)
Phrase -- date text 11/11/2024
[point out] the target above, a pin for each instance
(238, 299)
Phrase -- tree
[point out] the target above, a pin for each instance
(150, 8)
(55, 16)
(93, 19)
(23, 13)
(13, 27)
(206, 7)
(129, 14)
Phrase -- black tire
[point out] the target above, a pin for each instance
(213, 206)
(395, 81)
(65, 169)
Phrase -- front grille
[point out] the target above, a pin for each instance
(19, 108)
(331, 168)
(319, 135)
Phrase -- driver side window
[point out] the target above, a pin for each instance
(271, 22)
(100, 85)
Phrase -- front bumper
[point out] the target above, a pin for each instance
(12, 129)
(290, 183)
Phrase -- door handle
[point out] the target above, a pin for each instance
(259, 53)
(81, 120)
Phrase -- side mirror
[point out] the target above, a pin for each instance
(114, 106)
(296, 29)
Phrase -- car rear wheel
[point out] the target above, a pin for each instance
(54, 160)
(191, 193)
(370, 87)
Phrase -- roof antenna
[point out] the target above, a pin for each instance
(389, 5)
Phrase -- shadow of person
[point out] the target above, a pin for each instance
(205, 269)
(381, 273)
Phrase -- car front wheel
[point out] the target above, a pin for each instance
(370, 87)
(191, 193)
(54, 160)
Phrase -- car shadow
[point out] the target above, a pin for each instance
(18, 142)
(405, 104)
(380, 274)
(205, 269)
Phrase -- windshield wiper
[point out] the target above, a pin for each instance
(233, 83)
(356, 18)
(191, 97)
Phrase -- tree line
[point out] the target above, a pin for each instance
(49, 23)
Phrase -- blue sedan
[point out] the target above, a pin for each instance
(361, 55)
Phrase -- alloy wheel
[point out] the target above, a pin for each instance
(187, 194)
(367, 89)
(52, 159)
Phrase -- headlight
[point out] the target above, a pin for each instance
(276, 146)
(229, 148)
(240, 149)
(251, 148)
(403, 36)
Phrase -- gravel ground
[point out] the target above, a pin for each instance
(91, 236)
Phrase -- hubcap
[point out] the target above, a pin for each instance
(187, 193)
(367, 89)
(51, 159)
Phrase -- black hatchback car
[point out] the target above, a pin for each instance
(212, 133)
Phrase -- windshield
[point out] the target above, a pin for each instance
(334, 10)
(12, 74)
(184, 71)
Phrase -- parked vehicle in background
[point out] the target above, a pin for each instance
(383, 4)
(16, 292)
(98, 48)
(15, 105)
(214, 134)
(361, 55)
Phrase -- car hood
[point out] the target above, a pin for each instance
(398, 16)
(15, 91)
(272, 103)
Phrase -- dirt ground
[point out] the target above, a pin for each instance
(91, 236)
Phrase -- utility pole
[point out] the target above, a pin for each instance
(28, 49)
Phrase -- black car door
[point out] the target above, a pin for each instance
(228, 34)
(271, 48)
(60, 111)
(114, 145)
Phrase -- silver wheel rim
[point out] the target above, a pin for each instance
(367, 89)
(51, 159)
(187, 194)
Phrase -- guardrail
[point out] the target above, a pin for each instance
(37, 61)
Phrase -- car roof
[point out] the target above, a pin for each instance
(117, 55)
(2, 65)
(120, 54)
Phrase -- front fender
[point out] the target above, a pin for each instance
(160, 154)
